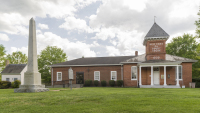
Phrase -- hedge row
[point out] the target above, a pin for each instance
(7, 84)
(103, 83)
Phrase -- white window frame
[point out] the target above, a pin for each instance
(61, 76)
(16, 79)
(136, 72)
(8, 79)
(179, 72)
(99, 75)
(112, 75)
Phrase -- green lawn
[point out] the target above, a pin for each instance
(102, 100)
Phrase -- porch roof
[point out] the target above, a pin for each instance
(168, 59)
(159, 63)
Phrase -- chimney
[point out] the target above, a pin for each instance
(7, 62)
(136, 53)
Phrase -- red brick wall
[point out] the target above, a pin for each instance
(186, 73)
(158, 55)
(105, 72)
(127, 76)
(146, 71)
(146, 79)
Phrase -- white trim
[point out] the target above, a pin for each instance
(178, 74)
(99, 75)
(112, 75)
(136, 72)
(159, 64)
(128, 62)
(152, 75)
(158, 76)
(165, 81)
(57, 76)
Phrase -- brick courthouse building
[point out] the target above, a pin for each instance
(154, 69)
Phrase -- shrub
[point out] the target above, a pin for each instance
(88, 82)
(112, 83)
(5, 84)
(119, 83)
(96, 82)
(103, 83)
(16, 84)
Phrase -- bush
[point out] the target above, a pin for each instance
(112, 83)
(88, 82)
(5, 84)
(103, 83)
(96, 82)
(119, 83)
(15, 84)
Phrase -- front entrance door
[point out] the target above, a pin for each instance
(79, 77)
(156, 79)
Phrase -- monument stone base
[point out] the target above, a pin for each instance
(30, 88)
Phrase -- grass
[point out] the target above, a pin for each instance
(102, 100)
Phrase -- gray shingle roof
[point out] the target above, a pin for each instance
(14, 68)
(168, 58)
(156, 31)
(96, 61)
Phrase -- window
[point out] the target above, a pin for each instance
(97, 75)
(59, 76)
(7, 79)
(134, 73)
(114, 75)
(179, 71)
(15, 79)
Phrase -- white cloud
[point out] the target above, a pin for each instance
(105, 33)
(24, 50)
(14, 20)
(4, 37)
(80, 25)
(73, 49)
(71, 23)
(43, 26)
(112, 51)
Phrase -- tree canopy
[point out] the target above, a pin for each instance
(50, 55)
(197, 23)
(17, 58)
(2, 58)
(184, 46)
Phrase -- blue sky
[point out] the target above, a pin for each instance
(93, 28)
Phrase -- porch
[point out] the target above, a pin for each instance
(160, 74)
(159, 86)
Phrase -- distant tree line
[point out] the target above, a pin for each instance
(50, 55)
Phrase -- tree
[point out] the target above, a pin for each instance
(197, 23)
(17, 58)
(50, 55)
(2, 58)
(185, 46)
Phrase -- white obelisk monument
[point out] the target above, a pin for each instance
(32, 78)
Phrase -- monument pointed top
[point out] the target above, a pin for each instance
(32, 18)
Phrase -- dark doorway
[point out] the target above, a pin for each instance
(79, 77)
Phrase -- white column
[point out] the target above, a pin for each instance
(152, 75)
(140, 77)
(165, 76)
(177, 77)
